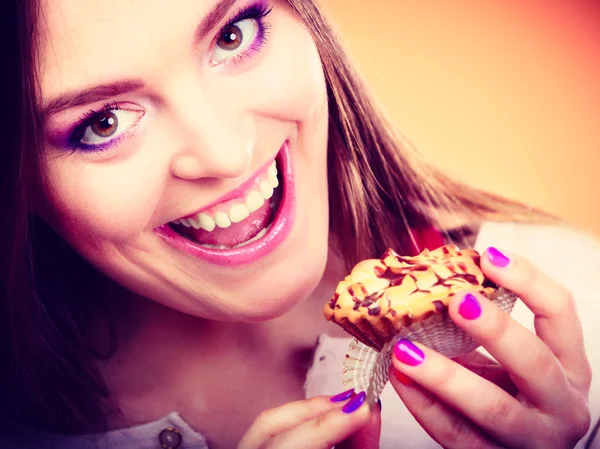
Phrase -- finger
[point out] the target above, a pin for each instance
(325, 430)
(556, 319)
(485, 404)
(280, 419)
(440, 421)
(368, 436)
(533, 367)
(489, 369)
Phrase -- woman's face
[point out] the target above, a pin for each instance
(186, 149)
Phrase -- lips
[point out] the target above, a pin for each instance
(236, 222)
(225, 234)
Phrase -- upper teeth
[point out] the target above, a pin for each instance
(240, 210)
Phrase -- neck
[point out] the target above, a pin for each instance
(163, 355)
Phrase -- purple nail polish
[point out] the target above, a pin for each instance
(355, 403)
(469, 308)
(497, 258)
(409, 354)
(342, 396)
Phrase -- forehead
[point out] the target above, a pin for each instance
(85, 41)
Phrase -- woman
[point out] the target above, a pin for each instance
(183, 188)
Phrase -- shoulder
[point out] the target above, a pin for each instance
(14, 436)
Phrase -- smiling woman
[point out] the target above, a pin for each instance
(184, 186)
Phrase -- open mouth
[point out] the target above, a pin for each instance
(239, 222)
(246, 224)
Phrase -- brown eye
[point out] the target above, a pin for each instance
(105, 124)
(231, 38)
(236, 40)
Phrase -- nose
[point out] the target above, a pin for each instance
(214, 136)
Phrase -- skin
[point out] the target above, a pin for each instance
(204, 130)
(538, 400)
(177, 160)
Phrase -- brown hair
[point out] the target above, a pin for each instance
(48, 377)
(380, 191)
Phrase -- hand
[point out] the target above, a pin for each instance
(343, 421)
(540, 397)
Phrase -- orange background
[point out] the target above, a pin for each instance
(504, 94)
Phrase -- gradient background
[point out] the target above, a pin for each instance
(504, 94)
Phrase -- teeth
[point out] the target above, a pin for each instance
(273, 179)
(254, 201)
(206, 222)
(238, 213)
(222, 220)
(266, 189)
(195, 223)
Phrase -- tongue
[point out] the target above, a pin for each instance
(236, 233)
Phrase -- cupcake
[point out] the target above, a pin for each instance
(394, 297)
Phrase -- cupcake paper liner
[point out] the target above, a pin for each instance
(366, 369)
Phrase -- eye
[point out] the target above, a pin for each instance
(107, 125)
(235, 39)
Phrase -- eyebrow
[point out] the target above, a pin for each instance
(213, 18)
(108, 90)
(86, 96)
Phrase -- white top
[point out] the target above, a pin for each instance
(569, 257)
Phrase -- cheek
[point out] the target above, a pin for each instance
(98, 202)
(287, 82)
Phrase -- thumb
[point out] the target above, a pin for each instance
(368, 436)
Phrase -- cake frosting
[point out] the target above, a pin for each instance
(380, 297)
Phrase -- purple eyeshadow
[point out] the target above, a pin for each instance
(70, 139)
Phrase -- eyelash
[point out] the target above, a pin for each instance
(257, 11)
(74, 141)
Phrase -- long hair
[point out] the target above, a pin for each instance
(47, 377)
(380, 190)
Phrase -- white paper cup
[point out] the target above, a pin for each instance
(366, 369)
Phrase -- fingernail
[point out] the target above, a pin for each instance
(409, 354)
(379, 404)
(497, 258)
(403, 378)
(469, 308)
(355, 403)
(342, 396)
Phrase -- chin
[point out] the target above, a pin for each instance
(278, 265)
(275, 291)
(268, 275)
(280, 300)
